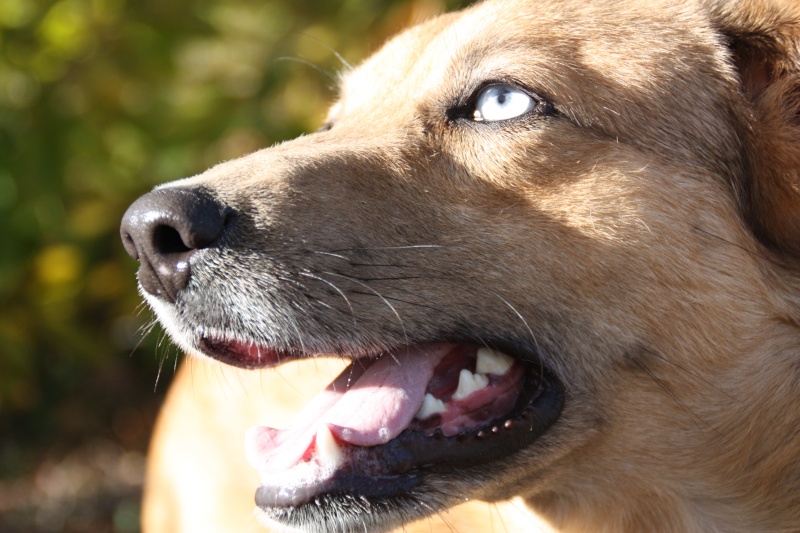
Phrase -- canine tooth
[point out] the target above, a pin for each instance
(430, 406)
(492, 362)
(329, 453)
(469, 383)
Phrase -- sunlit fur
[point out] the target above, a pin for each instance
(643, 240)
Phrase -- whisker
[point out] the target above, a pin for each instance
(446, 521)
(433, 509)
(338, 256)
(521, 509)
(330, 49)
(162, 360)
(370, 248)
(386, 265)
(337, 289)
(147, 328)
(379, 295)
(141, 308)
(693, 374)
(453, 316)
(664, 387)
(408, 302)
(378, 265)
(352, 263)
(310, 65)
(751, 252)
(143, 332)
(530, 331)
(299, 335)
(499, 515)
(398, 278)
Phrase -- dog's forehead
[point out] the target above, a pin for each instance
(417, 60)
(548, 43)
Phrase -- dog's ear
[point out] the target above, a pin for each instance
(764, 40)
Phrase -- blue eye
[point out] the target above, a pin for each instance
(501, 102)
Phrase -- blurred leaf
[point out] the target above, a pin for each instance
(59, 265)
(100, 100)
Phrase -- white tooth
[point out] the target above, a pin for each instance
(329, 454)
(492, 362)
(469, 383)
(430, 406)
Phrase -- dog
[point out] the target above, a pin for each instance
(549, 251)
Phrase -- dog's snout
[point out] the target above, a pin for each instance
(163, 229)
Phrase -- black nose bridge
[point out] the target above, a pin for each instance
(163, 229)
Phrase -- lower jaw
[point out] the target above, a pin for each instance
(399, 469)
(344, 513)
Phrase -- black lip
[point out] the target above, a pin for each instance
(396, 469)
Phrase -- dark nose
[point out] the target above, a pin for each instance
(163, 229)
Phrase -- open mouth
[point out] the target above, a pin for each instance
(388, 420)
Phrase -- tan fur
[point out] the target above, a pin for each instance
(646, 238)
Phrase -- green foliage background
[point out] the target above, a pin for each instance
(100, 100)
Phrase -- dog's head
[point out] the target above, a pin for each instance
(550, 235)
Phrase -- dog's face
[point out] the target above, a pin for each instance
(563, 183)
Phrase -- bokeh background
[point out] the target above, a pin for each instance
(100, 100)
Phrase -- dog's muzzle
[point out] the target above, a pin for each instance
(400, 421)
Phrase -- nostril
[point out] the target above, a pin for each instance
(168, 241)
(128, 243)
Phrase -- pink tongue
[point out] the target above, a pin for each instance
(364, 407)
